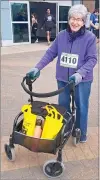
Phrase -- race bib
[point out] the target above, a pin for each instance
(69, 60)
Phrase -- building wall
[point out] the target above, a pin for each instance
(90, 4)
(6, 32)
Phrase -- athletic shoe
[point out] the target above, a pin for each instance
(83, 139)
(37, 41)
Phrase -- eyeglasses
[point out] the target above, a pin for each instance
(77, 20)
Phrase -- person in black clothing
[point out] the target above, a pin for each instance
(49, 22)
(34, 26)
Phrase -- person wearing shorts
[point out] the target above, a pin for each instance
(49, 22)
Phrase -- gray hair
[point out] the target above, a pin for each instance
(78, 9)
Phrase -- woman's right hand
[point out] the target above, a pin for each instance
(33, 73)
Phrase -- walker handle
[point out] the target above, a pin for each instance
(41, 95)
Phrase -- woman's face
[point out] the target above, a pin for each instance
(76, 22)
(96, 13)
(48, 11)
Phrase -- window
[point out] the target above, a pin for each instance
(63, 13)
(20, 23)
(19, 12)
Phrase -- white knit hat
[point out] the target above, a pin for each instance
(78, 9)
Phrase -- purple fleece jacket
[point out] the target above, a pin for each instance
(84, 46)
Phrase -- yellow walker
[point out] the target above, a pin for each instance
(57, 126)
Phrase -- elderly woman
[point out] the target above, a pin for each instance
(76, 51)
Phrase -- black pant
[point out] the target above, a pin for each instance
(34, 31)
(96, 32)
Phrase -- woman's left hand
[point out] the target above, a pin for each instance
(77, 78)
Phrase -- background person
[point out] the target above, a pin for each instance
(49, 22)
(34, 26)
(94, 22)
(79, 44)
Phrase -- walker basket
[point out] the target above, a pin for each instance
(42, 145)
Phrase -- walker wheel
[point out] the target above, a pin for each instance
(10, 152)
(53, 168)
(76, 138)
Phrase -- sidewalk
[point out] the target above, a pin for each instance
(24, 48)
(86, 152)
(42, 46)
